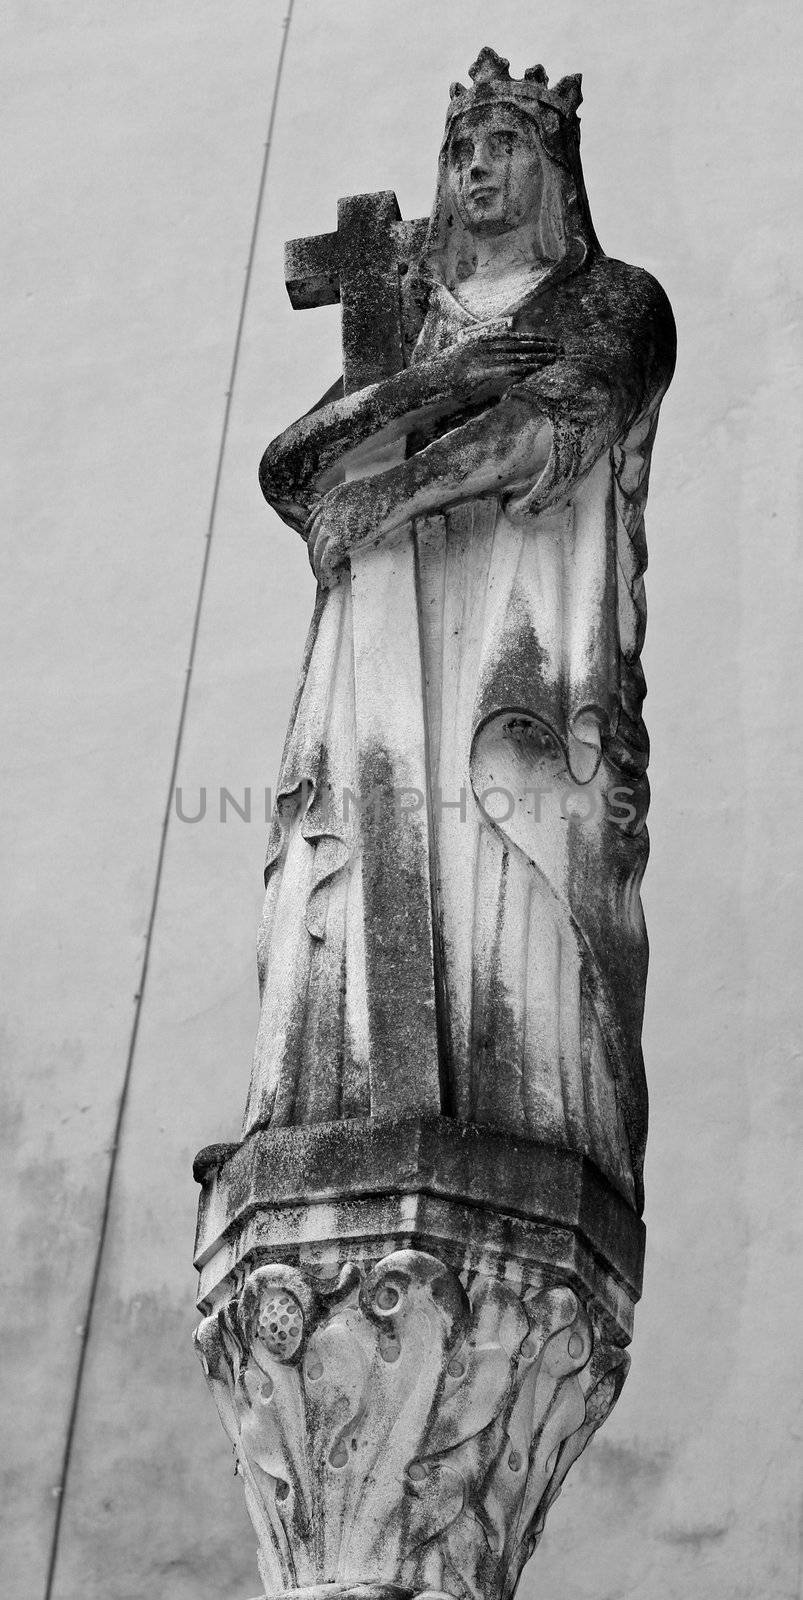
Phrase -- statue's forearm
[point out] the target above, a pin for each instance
(505, 447)
(296, 465)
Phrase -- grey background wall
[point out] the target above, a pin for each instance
(133, 141)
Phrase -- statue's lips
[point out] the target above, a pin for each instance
(482, 193)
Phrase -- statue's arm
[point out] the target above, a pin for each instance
(505, 446)
(619, 336)
(551, 424)
(309, 457)
(540, 438)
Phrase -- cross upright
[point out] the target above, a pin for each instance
(359, 265)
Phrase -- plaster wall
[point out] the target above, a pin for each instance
(133, 146)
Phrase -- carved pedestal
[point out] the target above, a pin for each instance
(412, 1331)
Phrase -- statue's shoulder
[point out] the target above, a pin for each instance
(610, 307)
(606, 288)
(631, 298)
(630, 290)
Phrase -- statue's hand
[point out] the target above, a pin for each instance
(486, 361)
(341, 520)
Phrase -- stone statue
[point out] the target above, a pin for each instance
(534, 369)
(453, 943)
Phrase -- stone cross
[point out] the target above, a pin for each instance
(359, 265)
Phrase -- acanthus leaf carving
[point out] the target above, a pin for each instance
(398, 1427)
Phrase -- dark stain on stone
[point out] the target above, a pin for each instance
(624, 1468)
(696, 1538)
(399, 938)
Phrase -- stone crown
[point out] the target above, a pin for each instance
(491, 82)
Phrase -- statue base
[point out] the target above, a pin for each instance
(482, 1198)
(408, 1358)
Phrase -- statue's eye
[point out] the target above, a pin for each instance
(460, 151)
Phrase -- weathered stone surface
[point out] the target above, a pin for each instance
(440, 1180)
(397, 1427)
(473, 660)
(473, 1192)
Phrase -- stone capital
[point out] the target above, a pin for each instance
(402, 1428)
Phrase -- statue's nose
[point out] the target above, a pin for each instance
(479, 161)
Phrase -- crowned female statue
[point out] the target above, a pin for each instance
(418, 1268)
(535, 368)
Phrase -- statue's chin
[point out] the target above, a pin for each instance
(485, 221)
(484, 224)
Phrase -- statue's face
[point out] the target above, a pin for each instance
(494, 168)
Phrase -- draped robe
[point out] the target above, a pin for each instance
(531, 620)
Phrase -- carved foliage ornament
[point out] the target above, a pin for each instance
(392, 1426)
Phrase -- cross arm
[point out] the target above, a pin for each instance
(312, 266)
(312, 271)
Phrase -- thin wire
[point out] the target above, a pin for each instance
(115, 1146)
